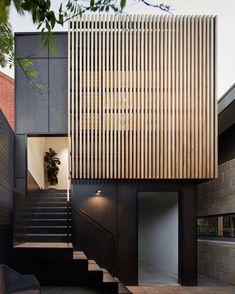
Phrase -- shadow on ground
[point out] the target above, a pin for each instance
(68, 290)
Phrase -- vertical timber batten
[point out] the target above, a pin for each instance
(142, 97)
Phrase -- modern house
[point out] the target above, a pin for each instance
(216, 202)
(129, 105)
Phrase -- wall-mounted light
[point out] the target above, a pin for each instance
(98, 193)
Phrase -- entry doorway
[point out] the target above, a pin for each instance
(158, 214)
(37, 177)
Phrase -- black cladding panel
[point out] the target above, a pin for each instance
(58, 93)
(31, 106)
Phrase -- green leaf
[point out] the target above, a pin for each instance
(61, 19)
(52, 48)
(53, 22)
(26, 62)
(47, 4)
(48, 26)
(40, 24)
(26, 6)
(60, 9)
(34, 16)
(92, 2)
(32, 73)
(7, 2)
(39, 87)
(122, 4)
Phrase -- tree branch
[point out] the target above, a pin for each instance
(161, 6)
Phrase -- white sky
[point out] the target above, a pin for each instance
(225, 10)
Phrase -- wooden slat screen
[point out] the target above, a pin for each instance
(142, 99)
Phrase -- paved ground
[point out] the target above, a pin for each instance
(181, 290)
(206, 286)
(150, 275)
(159, 289)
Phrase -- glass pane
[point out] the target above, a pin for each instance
(208, 226)
(217, 226)
(229, 226)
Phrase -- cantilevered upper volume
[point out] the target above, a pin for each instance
(142, 97)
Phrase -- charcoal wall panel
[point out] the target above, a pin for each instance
(20, 154)
(31, 107)
(58, 83)
(30, 45)
(20, 185)
(61, 44)
(6, 185)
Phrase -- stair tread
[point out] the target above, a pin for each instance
(52, 207)
(107, 277)
(43, 235)
(34, 197)
(79, 255)
(49, 213)
(44, 245)
(122, 289)
(41, 196)
(52, 220)
(50, 202)
(45, 227)
(93, 266)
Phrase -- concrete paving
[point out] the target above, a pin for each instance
(206, 286)
(176, 289)
(158, 289)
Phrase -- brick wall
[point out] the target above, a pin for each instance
(218, 196)
(217, 259)
(7, 97)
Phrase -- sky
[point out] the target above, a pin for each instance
(225, 10)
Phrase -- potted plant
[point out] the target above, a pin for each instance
(52, 163)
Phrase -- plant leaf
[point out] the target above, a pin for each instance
(122, 4)
(26, 6)
(33, 73)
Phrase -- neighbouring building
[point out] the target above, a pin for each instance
(7, 104)
(216, 202)
(129, 104)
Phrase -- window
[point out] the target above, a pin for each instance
(217, 226)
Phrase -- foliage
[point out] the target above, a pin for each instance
(6, 45)
(46, 18)
(52, 163)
